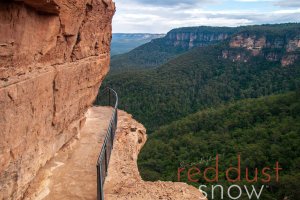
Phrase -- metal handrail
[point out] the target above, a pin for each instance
(107, 146)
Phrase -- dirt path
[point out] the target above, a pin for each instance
(71, 174)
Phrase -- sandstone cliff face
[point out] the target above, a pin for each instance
(189, 37)
(53, 57)
(124, 181)
(188, 40)
(283, 49)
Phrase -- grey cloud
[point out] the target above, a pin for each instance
(288, 3)
(260, 18)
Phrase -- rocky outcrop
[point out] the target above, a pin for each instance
(293, 44)
(124, 181)
(187, 38)
(288, 60)
(284, 49)
(53, 57)
(251, 43)
(235, 56)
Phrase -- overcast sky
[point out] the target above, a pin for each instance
(160, 16)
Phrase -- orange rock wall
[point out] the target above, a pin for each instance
(53, 57)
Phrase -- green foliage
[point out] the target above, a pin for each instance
(262, 131)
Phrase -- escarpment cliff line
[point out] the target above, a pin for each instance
(124, 181)
(53, 57)
(283, 48)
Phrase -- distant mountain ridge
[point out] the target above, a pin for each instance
(271, 39)
(137, 35)
(125, 42)
(177, 41)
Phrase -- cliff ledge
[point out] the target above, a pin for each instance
(124, 180)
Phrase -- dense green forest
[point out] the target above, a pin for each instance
(262, 131)
(198, 79)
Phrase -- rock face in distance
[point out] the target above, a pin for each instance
(189, 37)
(124, 181)
(284, 49)
(53, 57)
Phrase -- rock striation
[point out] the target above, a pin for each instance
(189, 37)
(124, 180)
(54, 55)
(281, 48)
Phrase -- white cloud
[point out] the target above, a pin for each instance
(135, 17)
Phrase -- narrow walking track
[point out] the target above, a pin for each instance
(71, 174)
